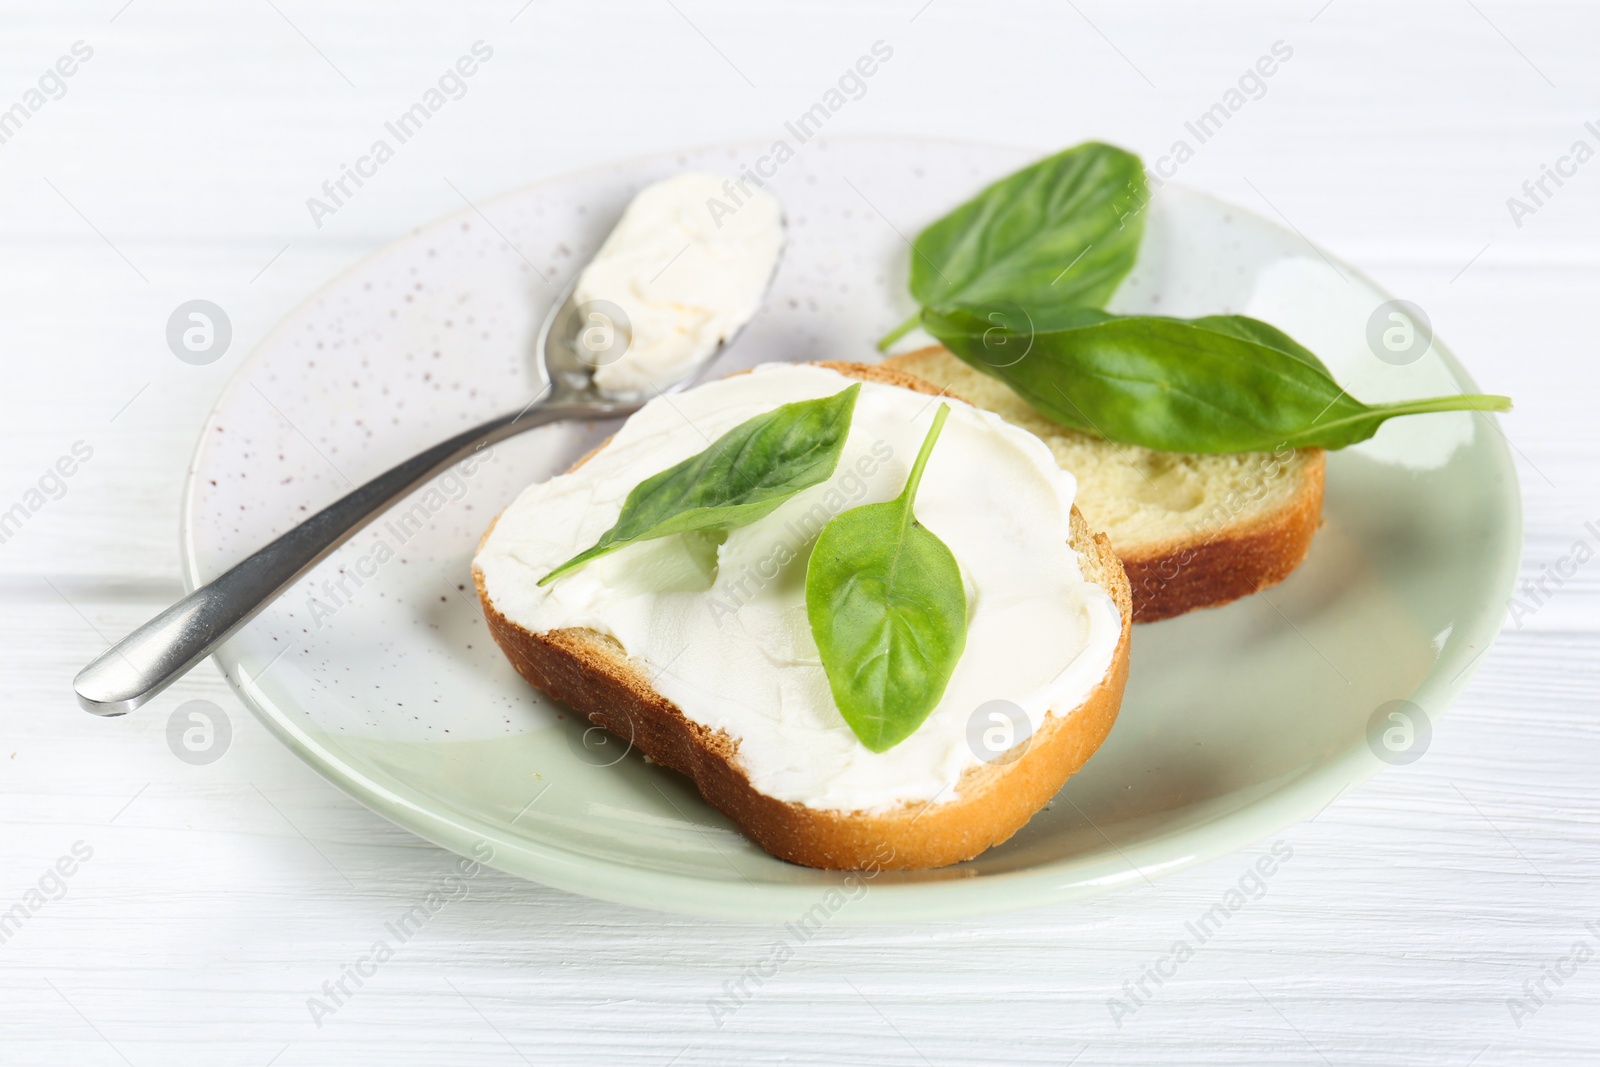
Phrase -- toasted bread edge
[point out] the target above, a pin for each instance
(593, 674)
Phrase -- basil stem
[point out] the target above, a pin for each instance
(1063, 232)
(743, 476)
(889, 612)
(1217, 384)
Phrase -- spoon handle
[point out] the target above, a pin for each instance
(161, 651)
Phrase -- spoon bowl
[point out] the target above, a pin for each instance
(161, 651)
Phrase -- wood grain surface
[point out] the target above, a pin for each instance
(217, 899)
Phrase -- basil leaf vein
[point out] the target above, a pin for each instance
(1216, 384)
(888, 610)
(743, 476)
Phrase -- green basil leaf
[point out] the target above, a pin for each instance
(889, 612)
(1064, 232)
(1254, 330)
(1013, 319)
(1219, 384)
(743, 476)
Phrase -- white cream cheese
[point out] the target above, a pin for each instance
(723, 630)
(686, 271)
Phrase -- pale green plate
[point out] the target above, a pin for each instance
(1238, 721)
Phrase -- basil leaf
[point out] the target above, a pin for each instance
(1013, 320)
(1254, 330)
(743, 476)
(1062, 232)
(888, 611)
(1218, 384)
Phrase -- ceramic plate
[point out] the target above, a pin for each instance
(378, 671)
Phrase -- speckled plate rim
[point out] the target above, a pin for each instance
(1299, 796)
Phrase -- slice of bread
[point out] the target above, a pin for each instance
(593, 674)
(1192, 531)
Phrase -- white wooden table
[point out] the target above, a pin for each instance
(219, 898)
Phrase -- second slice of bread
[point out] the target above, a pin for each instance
(593, 674)
(1192, 531)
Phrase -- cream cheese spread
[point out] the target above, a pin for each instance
(686, 273)
(722, 629)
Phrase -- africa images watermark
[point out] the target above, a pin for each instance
(1251, 85)
(737, 992)
(451, 85)
(848, 488)
(1537, 992)
(1537, 592)
(51, 885)
(51, 485)
(51, 85)
(1537, 191)
(336, 992)
(851, 85)
(1251, 887)
(199, 732)
(450, 487)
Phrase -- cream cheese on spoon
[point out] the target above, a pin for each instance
(684, 272)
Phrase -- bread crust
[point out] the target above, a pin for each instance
(593, 674)
(1241, 558)
(1221, 563)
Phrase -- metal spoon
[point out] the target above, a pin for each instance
(164, 649)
